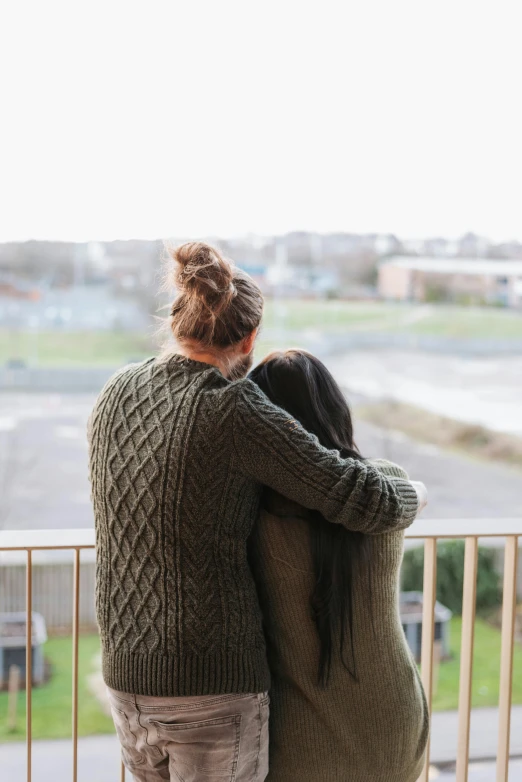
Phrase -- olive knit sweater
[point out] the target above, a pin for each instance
(372, 729)
(178, 458)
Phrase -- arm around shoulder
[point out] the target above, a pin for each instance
(274, 449)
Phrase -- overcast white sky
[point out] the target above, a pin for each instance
(151, 119)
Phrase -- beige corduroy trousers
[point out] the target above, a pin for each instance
(218, 738)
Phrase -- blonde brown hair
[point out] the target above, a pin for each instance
(217, 304)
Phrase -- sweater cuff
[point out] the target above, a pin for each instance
(389, 468)
(409, 498)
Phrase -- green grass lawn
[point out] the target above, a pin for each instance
(62, 348)
(52, 702)
(435, 320)
(291, 316)
(466, 322)
(334, 316)
(486, 669)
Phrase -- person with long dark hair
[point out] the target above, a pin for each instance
(347, 701)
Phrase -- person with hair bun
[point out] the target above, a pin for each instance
(181, 446)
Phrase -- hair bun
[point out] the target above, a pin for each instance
(216, 304)
(201, 271)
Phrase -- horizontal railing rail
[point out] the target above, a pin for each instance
(429, 530)
(60, 539)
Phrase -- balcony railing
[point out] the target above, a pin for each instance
(430, 531)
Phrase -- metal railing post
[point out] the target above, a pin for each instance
(509, 607)
(428, 632)
(466, 656)
(29, 661)
(75, 638)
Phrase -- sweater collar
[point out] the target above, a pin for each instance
(190, 363)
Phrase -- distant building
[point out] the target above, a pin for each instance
(75, 308)
(301, 281)
(257, 271)
(17, 288)
(489, 281)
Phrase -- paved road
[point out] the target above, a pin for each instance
(43, 467)
(483, 734)
(43, 461)
(458, 487)
(98, 760)
(480, 772)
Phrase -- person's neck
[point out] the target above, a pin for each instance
(204, 358)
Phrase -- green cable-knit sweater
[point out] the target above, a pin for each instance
(373, 729)
(178, 458)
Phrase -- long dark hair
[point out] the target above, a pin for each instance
(301, 384)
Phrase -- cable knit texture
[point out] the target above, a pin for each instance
(373, 729)
(178, 457)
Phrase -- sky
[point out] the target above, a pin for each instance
(186, 118)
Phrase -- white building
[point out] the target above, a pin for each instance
(487, 281)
